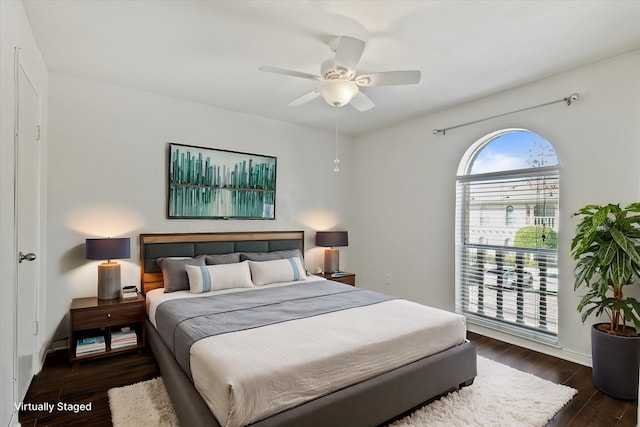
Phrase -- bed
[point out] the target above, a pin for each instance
(355, 383)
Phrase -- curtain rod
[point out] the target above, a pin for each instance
(568, 99)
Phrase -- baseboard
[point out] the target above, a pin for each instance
(551, 350)
(44, 350)
(14, 421)
(59, 344)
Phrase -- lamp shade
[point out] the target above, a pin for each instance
(331, 239)
(108, 248)
(338, 92)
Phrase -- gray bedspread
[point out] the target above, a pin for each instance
(182, 322)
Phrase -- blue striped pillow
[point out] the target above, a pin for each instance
(207, 278)
(279, 270)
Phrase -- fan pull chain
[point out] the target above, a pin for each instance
(336, 161)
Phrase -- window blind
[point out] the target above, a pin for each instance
(506, 251)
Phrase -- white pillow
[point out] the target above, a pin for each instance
(278, 270)
(208, 278)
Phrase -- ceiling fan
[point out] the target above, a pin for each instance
(339, 84)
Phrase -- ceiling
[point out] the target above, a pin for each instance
(209, 51)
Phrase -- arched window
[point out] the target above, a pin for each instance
(509, 281)
(508, 215)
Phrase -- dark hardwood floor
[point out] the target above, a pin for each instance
(588, 408)
(60, 382)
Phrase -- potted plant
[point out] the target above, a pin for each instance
(606, 247)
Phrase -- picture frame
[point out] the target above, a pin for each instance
(210, 183)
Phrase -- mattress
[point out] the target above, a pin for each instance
(247, 375)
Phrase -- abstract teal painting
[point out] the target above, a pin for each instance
(220, 184)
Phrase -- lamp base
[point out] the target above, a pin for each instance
(109, 280)
(331, 260)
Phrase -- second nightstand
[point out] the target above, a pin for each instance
(346, 278)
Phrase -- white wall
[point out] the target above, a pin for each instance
(107, 177)
(403, 182)
(16, 32)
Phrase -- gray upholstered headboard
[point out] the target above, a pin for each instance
(154, 246)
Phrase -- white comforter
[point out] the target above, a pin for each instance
(248, 375)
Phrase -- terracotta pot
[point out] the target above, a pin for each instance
(615, 362)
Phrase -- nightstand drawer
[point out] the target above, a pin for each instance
(347, 280)
(107, 316)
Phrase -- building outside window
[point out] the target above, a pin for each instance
(507, 200)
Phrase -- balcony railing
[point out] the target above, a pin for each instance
(514, 286)
(547, 221)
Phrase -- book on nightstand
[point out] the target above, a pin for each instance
(129, 292)
(123, 338)
(90, 345)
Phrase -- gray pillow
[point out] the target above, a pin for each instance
(270, 256)
(174, 272)
(222, 259)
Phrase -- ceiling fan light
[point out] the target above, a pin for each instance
(338, 92)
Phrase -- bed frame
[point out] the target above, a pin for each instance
(369, 403)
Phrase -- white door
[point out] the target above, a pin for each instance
(27, 226)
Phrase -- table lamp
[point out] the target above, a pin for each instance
(331, 239)
(108, 272)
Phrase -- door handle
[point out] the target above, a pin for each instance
(26, 257)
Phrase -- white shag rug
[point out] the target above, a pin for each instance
(142, 404)
(500, 396)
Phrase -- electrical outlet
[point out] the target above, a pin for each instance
(387, 278)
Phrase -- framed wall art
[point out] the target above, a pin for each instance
(220, 184)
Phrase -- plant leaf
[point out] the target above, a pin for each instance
(618, 270)
(587, 313)
(593, 224)
(626, 244)
(635, 318)
(584, 270)
(607, 252)
(633, 207)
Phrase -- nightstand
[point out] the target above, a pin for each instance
(347, 279)
(94, 321)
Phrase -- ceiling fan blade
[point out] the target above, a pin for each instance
(389, 78)
(304, 98)
(361, 102)
(348, 52)
(286, 72)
